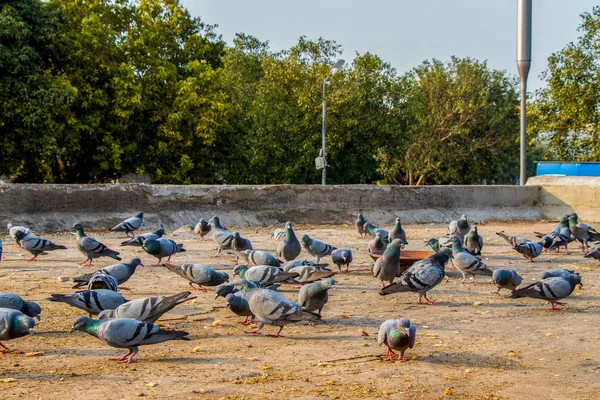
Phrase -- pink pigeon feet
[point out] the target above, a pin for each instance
(4, 349)
(427, 301)
(126, 358)
(247, 321)
(389, 354)
(278, 334)
(553, 307)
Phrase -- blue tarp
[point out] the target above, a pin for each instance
(568, 168)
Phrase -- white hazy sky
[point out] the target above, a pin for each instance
(402, 32)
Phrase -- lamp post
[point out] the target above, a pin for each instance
(523, 63)
(321, 160)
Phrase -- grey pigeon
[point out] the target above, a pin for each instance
(549, 289)
(377, 246)
(138, 240)
(13, 324)
(387, 266)
(529, 250)
(360, 224)
(12, 231)
(308, 274)
(447, 241)
(126, 333)
(12, 301)
(594, 253)
(90, 247)
(148, 309)
(342, 257)
(239, 305)
(221, 236)
(422, 276)
(161, 248)
(314, 296)
(583, 233)
(202, 228)
(129, 225)
(474, 242)
(36, 245)
(397, 232)
(563, 273)
(513, 240)
(289, 247)
(240, 243)
(315, 247)
(467, 263)
(225, 289)
(506, 279)
(272, 308)
(263, 274)
(103, 281)
(372, 230)
(258, 257)
(396, 335)
(121, 272)
(92, 301)
(564, 236)
(201, 275)
(298, 263)
(460, 227)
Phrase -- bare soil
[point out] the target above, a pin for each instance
(471, 344)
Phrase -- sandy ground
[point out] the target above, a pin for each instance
(472, 344)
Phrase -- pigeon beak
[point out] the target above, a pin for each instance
(71, 330)
(31, 331)
(216, 295)
(142, 265)
(38, 317)
(228, 306)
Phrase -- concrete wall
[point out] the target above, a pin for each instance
(566, 194)
(57, 207)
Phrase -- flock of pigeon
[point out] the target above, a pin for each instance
(254, 294)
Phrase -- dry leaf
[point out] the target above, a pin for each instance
(196, 349)
(7, 380)
(34, 354)
(265, 367)
(448, 391)
(216, 323)
(323, 364)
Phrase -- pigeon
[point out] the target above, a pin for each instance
(126, 333)
(121, 272)
(315, 247)
(289, 247)
(36, 245)
(225, 289)
(307, 274)
(103, 281)
(377, 246)
(360, 224)
(506, 279)
(12, 231)
(240, 243)
(396, 335)
(594, 253)
(563, 273)
(221, 236)
(200, 275)
(388, 265)
(564, 236)
(161, 248)
(460, 227)
(258, 257)
(422, 276)
(14, 324)
(513, 240)
(90, 247)
(583, 233)
(92, 301)
(474, 242)
(239, 305)
(372, 231)
(341, 257)
(549, 289)
(314, 296)
(12, 301)
(138, 240)
(129, 225)
(529, 250)
(467, 263)
(298, 263)
(263, 274)
(448, 241)
(148, 309)
(434, 244)
(202, 228)
(272, 308)
(277, 234)
(397, 232)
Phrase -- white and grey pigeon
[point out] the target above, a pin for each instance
(161, 248)
(396, 335)
(121, 272)
(148, 309)
(459, 227)
(138, 240)
(529, 250)
(90, 247)
(12, 301)
(239, 306)
(342, 257)
(549, 289)
(387, 267)
(474, 242)
(130, 225)
(13, 324)
(289, 247)
(126, 333)
(103, 281)
(315, 247)
(277, 234)
(263, 274)
(594, 253)
(467, 263)
(91, 301)
(258, 257)
(221, 236)
(372, 230)
(506, 279)
(202, 228)
(13, 229)
(286, 266)
(272, 308)
(583, 233)
(563, 273)
(36, 245)
(376, 246)
(513, 240)
(308, 274)
(200, 275)
(314, 296)
(422, 276)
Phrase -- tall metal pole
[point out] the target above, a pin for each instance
(523, 63)
(324, 172)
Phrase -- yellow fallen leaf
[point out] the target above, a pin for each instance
(196, 349)
(151, 384)
(34, 354)
(468, 371)
(265, 367)
(331, 382)
(548, 334)
(425, 327)
(253, 359)
(7, 380)
(433, 335)
(216, 323)
(449, 378)
(478, 303)
(323, 364)
(448, 391)
(252, 326)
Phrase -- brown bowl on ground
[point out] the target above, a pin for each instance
(409, 257)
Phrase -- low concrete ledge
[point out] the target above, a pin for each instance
(57, 207)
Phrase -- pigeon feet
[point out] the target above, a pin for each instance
(389, 354)
(125, 358)
(31, 258)
(309, 323)
(278, 334)
(496, 292)
(427, 301)
(252, 332)
(4, 349)
(553, 306)
(247, 321)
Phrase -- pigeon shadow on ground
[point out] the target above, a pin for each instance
(198, 360)
(469, 359)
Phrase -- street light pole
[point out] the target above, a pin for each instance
(523, 63)
(338, 65)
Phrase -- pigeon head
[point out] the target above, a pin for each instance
(397, 220)
(236, 235)
(215, 222)
(152, 246)
(9, 225)
(574, 280)
(24, 325)
(225, 276)
(463, 217)
(139, 215)
(474, 228)
(159, 232)
(432, 242)
(106, 314)
(77, 228)
(443, 255)
(405, 323)
(305, 238)
(230, 298)
(327, 283)
(224, 290)
(19, 235)
(245, 286)
(289, 225)
(240, 270)
(136, 262)
(360, 215)
(84, 324)
(32, 309)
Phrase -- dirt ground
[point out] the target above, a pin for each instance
(471, 344)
